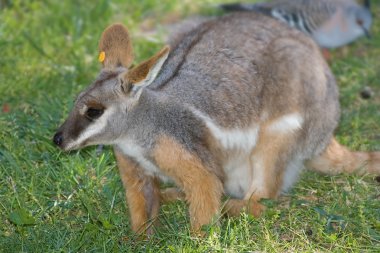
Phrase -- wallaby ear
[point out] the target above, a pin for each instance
(115, 47)
(145, 73)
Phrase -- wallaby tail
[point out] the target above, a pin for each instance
(339, 159)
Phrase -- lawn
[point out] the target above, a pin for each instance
(52, 201)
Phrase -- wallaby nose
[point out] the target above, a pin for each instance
(58, 139)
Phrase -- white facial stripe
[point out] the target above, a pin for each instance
(286, 123)
(83, 110)
(231, 138)
(95, 128)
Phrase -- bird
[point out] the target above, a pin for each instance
(331, 23)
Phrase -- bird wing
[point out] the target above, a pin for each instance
(305, 15)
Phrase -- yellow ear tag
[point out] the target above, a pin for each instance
(102, 56)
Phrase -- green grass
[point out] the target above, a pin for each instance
(57, 202)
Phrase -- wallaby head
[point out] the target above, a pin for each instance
(99, 115)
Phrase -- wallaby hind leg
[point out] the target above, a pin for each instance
(142, 194)
(202, 188)
(270, 160)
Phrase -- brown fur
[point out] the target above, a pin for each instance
(234, 207)
(141, 71)
(115, 43)
(142, 194)
(172, 194)
(203, 189)
(338, 159)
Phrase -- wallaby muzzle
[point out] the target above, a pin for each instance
(58, 139)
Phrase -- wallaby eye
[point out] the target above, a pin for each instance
(94, 113)
(359, 22)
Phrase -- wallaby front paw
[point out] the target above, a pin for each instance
(172, 194)
(234, 207)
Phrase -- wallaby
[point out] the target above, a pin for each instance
(237, 106)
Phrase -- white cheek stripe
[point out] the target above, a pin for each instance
(230, 138)
(95, 128)
(286, 123)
